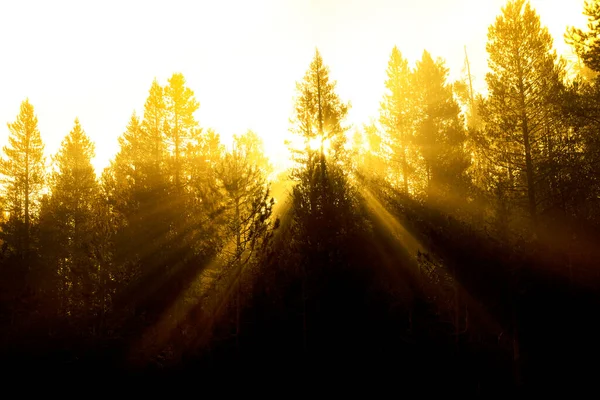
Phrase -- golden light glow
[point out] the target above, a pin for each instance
(241, 58)
(317, 142)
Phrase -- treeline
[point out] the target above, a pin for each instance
(76, 249)
(503, 187)
(523, 159)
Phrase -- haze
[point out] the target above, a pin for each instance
(96, 61)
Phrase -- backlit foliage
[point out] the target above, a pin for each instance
(441, 240)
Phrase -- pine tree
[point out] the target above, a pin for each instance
(181, 124)
(376, 154)
(580, 106)
(68, 223)
(242, 174)
(318, 120)
(524, 75)
(135, 188)
(319, 112)
(397, 112)
(123, 179)
(204, 155)
(243, 177)
(154, 128)
(321, 192)
(322, 199)
(439, 134)
(586, 43)
(204, 200)
(74, 184)
(136, 182)
(23, 173)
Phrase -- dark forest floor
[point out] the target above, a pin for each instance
(386, 318)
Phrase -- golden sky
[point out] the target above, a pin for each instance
(97, 60)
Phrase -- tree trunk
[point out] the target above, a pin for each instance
(427, 169)
(304, 324)
(515, 345)
(176, 140)
(238, 252)
(529, 173)
(456, 313)
(26, 233)
(405, 169)
(527, 144)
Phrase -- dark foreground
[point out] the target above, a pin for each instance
(486, 321)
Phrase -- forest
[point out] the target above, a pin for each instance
(449, 245)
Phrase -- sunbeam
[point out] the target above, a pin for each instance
(426, 271)
(385, 191)
(211, 289)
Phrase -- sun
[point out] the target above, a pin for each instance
(318, 143)
(251, 66)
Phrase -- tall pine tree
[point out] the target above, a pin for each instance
(586, 43)
(23, 172)
(242, 173)
(397, 113)
(69, 224)
(154, 129)
(439, 130)
(321, 197)
(180, 124)
(524, 76)
(319, 112)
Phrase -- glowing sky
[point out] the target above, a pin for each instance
(96, 60)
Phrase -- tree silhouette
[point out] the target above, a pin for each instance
(450, 238)
(242, 176)
(440, 132)
(398, 112)
(68, 223)
(586, 43)
(23, 173)
(180, 107)
(524, 75)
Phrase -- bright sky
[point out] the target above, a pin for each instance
(97, 60)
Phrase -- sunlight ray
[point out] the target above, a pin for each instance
(211, 289)
(428, 272)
